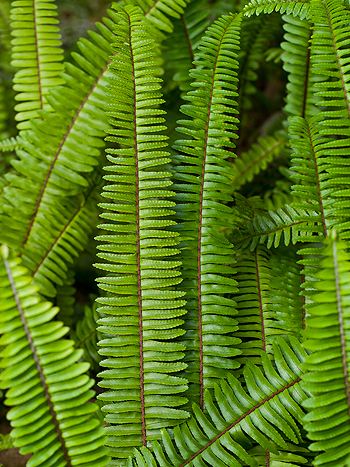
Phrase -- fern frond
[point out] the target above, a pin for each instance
(267, 412)
(59, 150)
(308, 170)
(257, 33)
(300, 8)
(9, 144)
(288, 225)
(254, 316)
(257, 158)
(141, 313)
(293, 456)
(181, 45)
(296, 59)
(327, 378)
(268, 301)
(161, 12)
(203, 185)
(331, 62)
(37, 54)
(46, 386)
(67, 234)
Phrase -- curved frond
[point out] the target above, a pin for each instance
(203, 185)
(37, 54)
(161, 12)
(298, 8)
(327, 378)
(288, 225)
(257, 158)
(141, 312)
(267, 412)
(46, 385)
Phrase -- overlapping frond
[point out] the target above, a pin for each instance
(287, 225)
(161, 12)
(203, 184)
(257, 33)
(141, 312)
(327, 378)
(37, 54)
(298, 8)
(254, 314)
(257, 158)
(59, 150)
(296, 58)
(181, 45)
(267, 412)
(67, 234)
(46, 385)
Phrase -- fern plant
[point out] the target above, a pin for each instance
(174, 259)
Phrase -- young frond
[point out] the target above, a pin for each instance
(203, 185)
(298, 8)
(296, 62)
(37, 54)
(266, 412)
(257, 158)
(47, 388)
(141, 313)
(328, 365)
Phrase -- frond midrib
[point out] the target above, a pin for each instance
(138, 244)
(242, 417)
(38, 364)
(200, 221)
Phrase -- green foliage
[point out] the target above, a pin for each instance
(36, 54)
(213, 326)
(327, 378)
(46, 385)
(203, 186)
(143, 392)
(267, 412)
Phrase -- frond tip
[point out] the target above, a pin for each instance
(48, 389)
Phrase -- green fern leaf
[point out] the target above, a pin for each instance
(296, 62)
(47, 388)
(9, 144)
(327, 378)
(236, 417)
(141, 313)
(37, 54)
(66, 299)
(161, 12)
(58, 151)
(298, 8)
(257, 158)
(203, 186)
(181, 45)
(288, 225)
